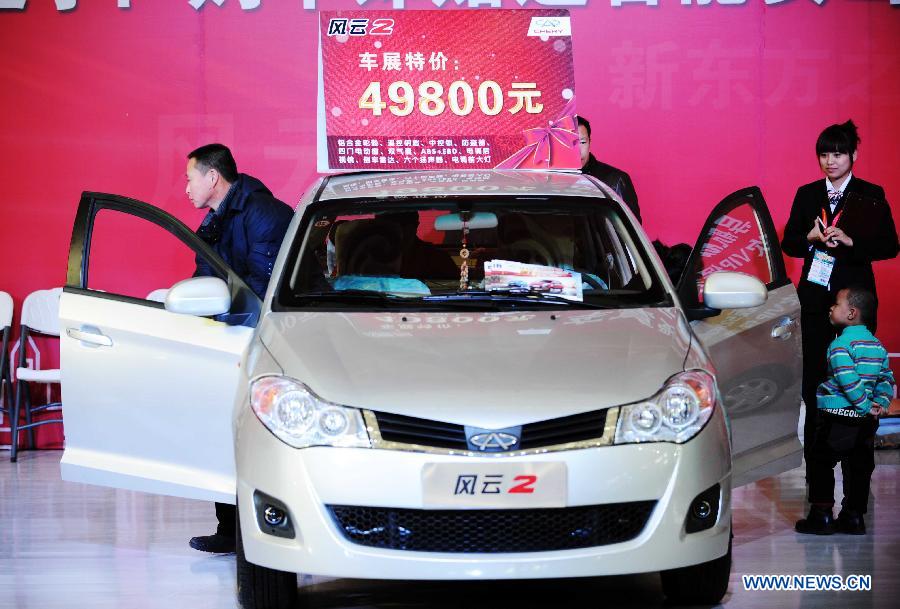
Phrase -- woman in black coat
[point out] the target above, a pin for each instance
(839, 225)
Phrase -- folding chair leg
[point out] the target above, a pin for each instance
(14, 424)
(29, 417)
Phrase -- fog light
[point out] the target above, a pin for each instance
(274, 516)
(702, 510)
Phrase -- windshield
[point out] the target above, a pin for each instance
(487, 253)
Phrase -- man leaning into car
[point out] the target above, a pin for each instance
(245, 226)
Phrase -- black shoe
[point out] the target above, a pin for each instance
(216, 544)
(818, 522)
(851, 523)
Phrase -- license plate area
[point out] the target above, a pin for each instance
(494, 485)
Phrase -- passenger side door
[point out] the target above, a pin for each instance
(756, 351)
(148, 394)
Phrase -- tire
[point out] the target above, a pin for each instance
(703, 584)
(261, 587)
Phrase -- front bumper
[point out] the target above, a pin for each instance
(308, 480)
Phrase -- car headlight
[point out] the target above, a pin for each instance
(675, 414)
(300, 418)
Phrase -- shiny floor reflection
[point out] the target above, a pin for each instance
(76, 546)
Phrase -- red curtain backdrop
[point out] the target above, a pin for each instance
(693, 100)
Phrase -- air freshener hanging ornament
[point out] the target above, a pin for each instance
(464, 254)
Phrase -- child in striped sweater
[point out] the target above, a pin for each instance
(859, 388)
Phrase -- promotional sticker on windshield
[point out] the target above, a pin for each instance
(446, 90)
(532, 278)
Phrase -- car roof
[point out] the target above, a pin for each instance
(400, 184)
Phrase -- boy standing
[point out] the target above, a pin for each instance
(858, 389)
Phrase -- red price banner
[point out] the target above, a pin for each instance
(447, 90)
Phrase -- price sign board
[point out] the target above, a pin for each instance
(446, 90)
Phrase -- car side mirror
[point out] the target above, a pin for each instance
(200, 296)
(729, 290)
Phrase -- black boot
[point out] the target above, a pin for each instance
(851, 523)
(216, 544)
(820, 521)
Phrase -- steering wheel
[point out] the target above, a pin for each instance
(539, 254)
(593, 281)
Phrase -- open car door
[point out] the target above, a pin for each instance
(756, 351)
(148, 394)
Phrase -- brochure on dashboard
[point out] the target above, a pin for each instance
(522, 277)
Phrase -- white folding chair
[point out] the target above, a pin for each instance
(6, 314)
(40, 316)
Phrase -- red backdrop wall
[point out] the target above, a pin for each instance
(694, 101)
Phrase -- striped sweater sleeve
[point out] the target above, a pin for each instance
(884, 388)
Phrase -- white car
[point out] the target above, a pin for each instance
(393, 410)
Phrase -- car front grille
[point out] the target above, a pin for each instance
(492, 531)
(424, 432)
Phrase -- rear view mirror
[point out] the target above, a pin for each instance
(480, 219)
(200, 296)
(728, 290)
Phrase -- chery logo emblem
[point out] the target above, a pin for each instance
(494, 440)
(549, 23)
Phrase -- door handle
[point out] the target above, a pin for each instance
(91, 336)
(784, 328)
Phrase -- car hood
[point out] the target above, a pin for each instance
(491, 370)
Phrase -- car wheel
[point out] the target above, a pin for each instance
(703, 584)
(261, 587)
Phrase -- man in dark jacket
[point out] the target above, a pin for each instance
(245, 225)
(616, 179)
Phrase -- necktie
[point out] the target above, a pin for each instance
(834, 197)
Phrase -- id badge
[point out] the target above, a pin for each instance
(820, 269)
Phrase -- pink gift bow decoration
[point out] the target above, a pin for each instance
(544, 144)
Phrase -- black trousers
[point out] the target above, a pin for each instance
(227, 517)
(850, 442)
(817, 333)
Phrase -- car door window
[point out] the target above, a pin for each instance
(123, 249)
(129, 256)
(738, 236)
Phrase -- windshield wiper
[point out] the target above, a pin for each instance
(513, 296)
(354, 296)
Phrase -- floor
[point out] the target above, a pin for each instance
(73, 546)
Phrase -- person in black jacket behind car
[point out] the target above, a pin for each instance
(616, 179)
(839, 225)
(245, 225)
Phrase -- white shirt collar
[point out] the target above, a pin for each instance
(843, 187)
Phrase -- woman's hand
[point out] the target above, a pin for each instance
(834, 236)
(815, 235)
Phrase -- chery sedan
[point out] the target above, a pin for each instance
(406, 404)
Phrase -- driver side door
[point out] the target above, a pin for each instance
(148, 394)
